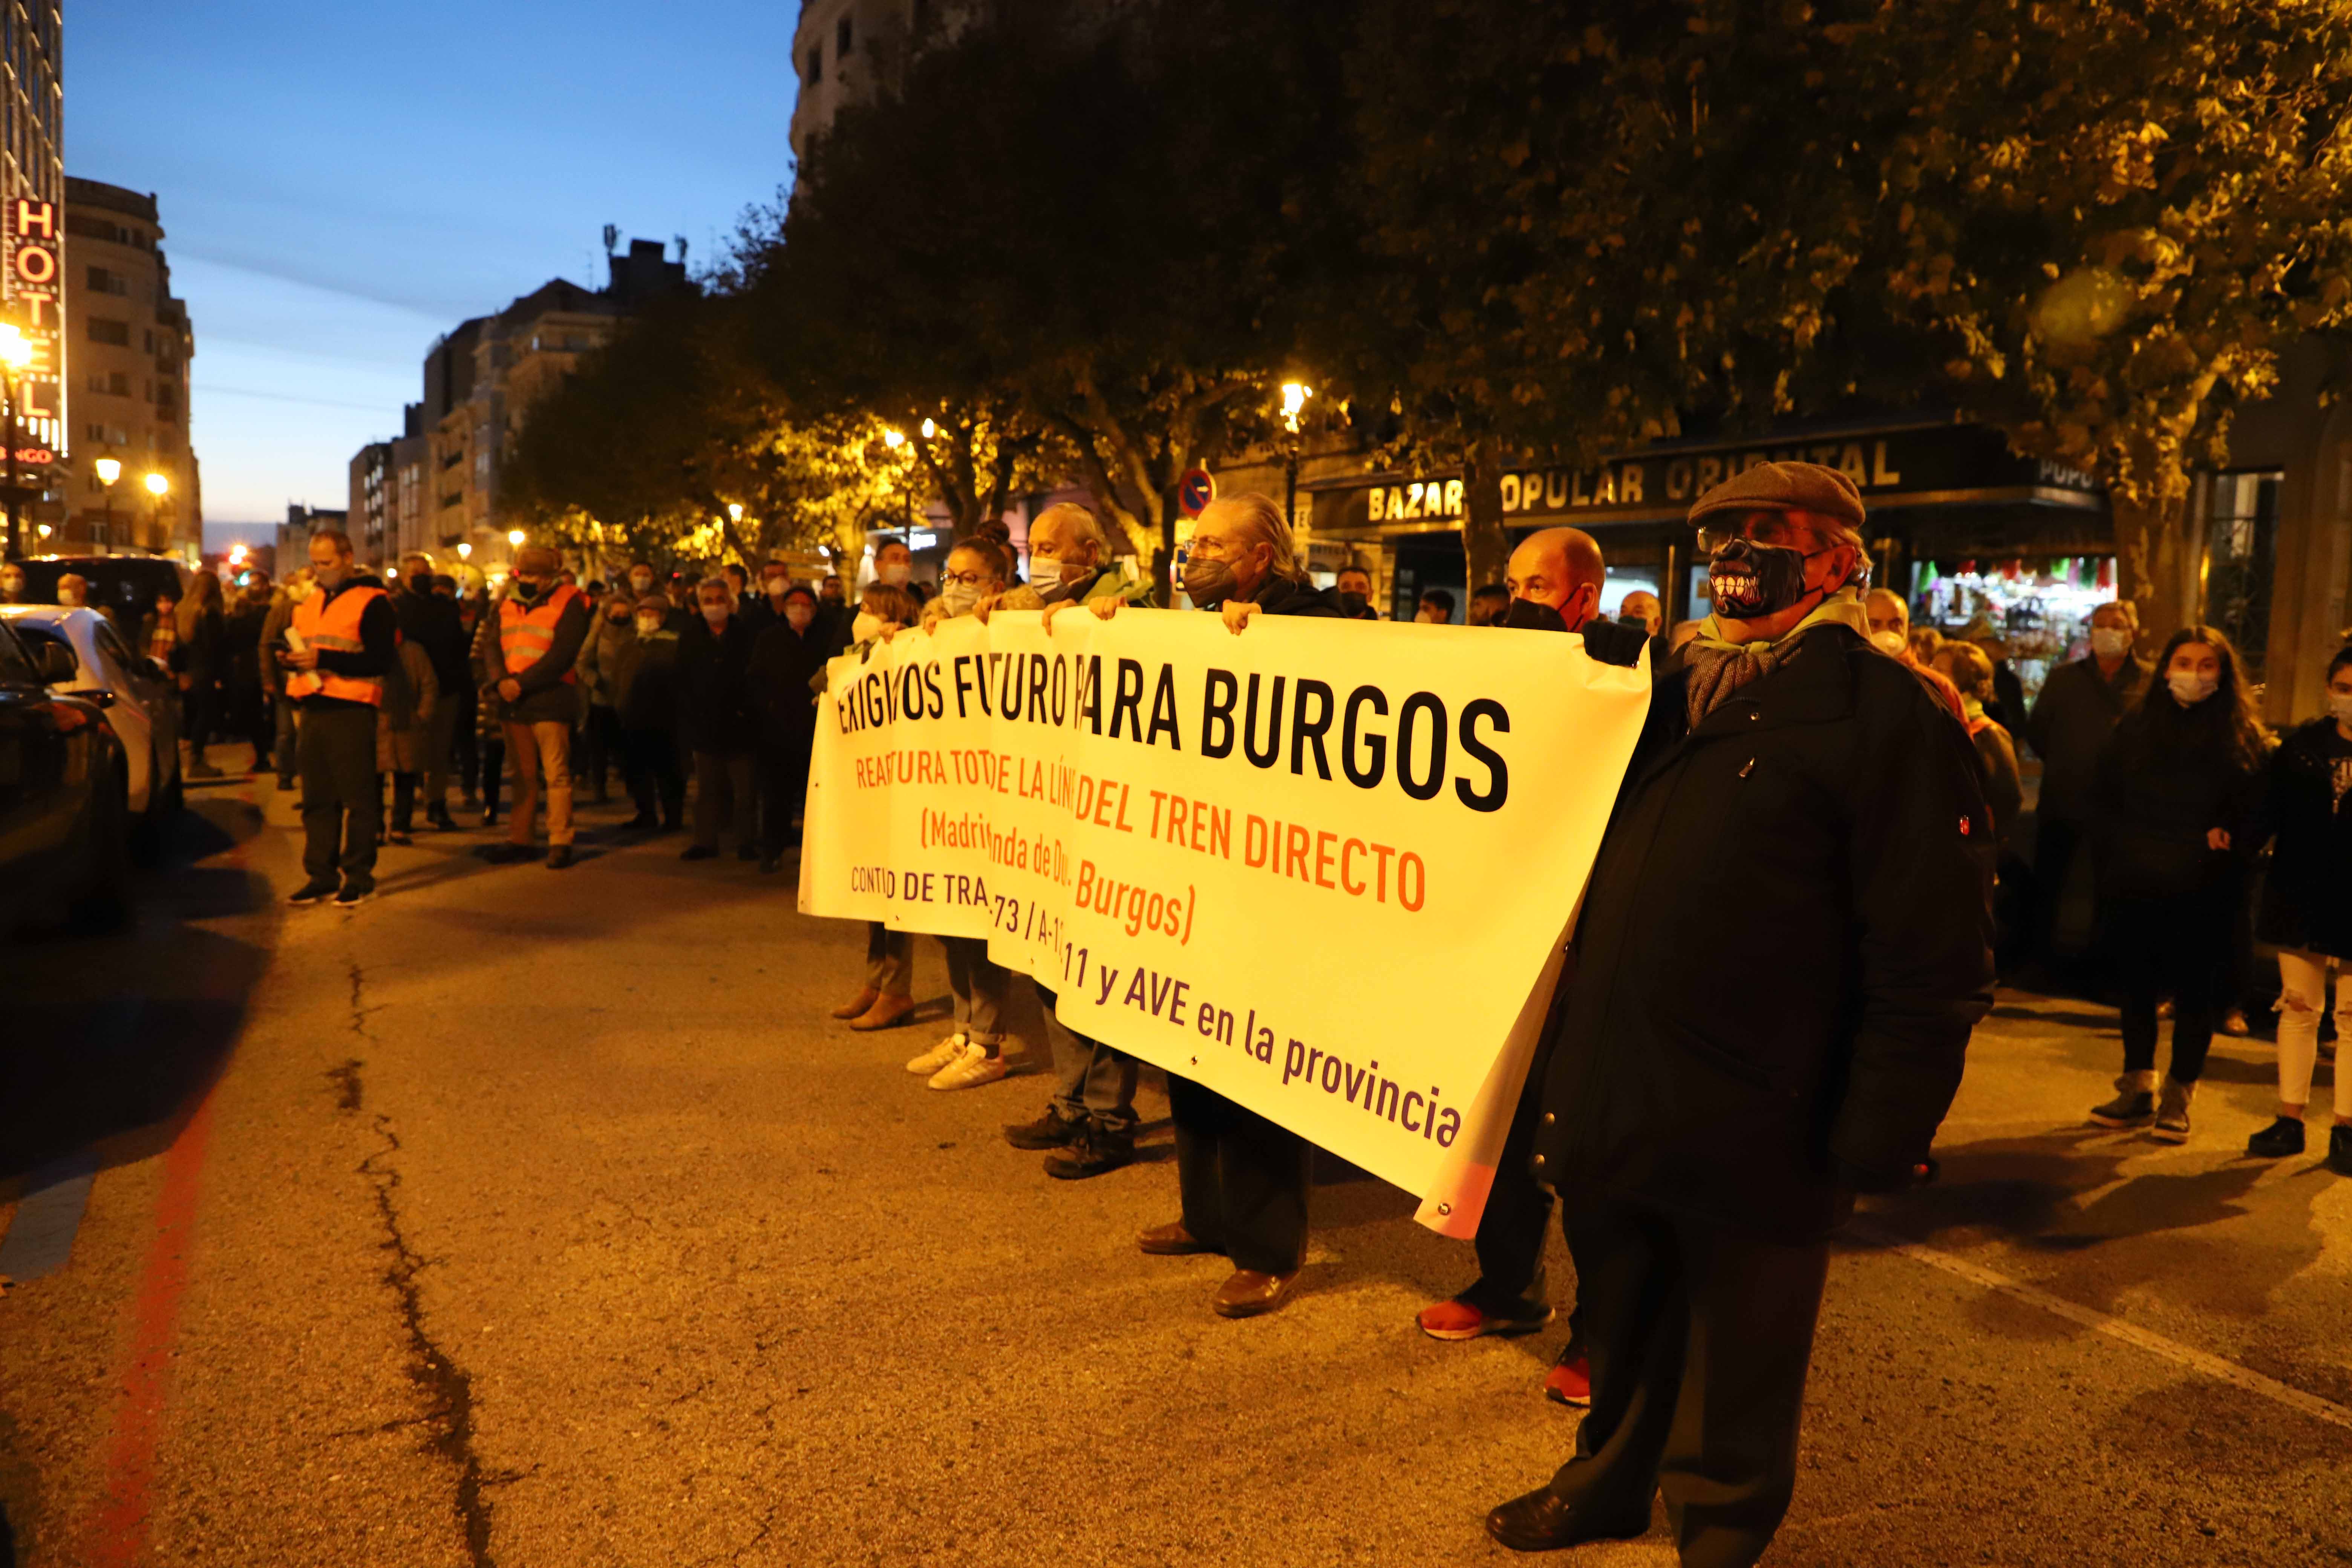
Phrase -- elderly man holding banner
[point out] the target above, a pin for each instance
(1089, 1128)
(1785, 943)
(1243, 1178)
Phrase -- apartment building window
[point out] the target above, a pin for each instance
(105, 330)
(845, 36)
(113, 383)
(103, 281)
(816, 65)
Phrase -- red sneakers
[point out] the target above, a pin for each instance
(1571, 1380)
(1461, 1321)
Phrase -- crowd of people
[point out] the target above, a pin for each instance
(1826, 806)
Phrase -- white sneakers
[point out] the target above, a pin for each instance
(972, 1067)
(939, 1056)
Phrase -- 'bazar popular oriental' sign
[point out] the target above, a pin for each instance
(1322, 867)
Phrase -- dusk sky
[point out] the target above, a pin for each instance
(340, 184)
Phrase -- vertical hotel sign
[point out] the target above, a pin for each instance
(36, 305)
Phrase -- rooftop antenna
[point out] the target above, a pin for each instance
(681, 248)
(611, 237)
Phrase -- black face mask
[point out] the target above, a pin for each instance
(1355, 603)
(1749, 580)
(1533, 616)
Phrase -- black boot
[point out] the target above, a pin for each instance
(2339, 1151)
(2276, 1141)
(1051, 1130)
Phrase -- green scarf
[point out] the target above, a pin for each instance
(1719, 667)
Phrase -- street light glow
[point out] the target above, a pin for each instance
(734, 512)
(514, 537)
(465, 551)
(894, 440)
(929, 430)
(158, 486)
(1295, 395)
(109, 470)
(16, 351)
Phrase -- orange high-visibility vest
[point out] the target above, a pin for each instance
(526, 634)
(332, 626)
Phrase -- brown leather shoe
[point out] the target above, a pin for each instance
(1247, 1293)
(1171, 1240)
(857, 1003)
(886, 1011)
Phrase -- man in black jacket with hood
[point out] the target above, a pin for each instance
(1785, 943)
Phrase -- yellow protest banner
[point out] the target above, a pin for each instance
(1322, 867)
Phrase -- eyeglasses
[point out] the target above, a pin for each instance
(1772, 529)
(964, 579)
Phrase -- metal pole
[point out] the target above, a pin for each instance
(15, 497)
(1290, 485)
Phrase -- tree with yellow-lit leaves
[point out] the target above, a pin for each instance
(2095, 225)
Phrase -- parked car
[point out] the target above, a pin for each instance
(65, 798)
(145, 711)
(124, 586)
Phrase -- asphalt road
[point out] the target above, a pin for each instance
(532, 1218)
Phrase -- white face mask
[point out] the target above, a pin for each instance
(1891, 642)
(1049, 574)
(715, 614)
(2340, 705)
(895, 573)
(648, 624)
(866, 627)
(643, 582)
(960, 597)
(2110, 642)
(2189, 689)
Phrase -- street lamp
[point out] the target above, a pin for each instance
(109, 470)
(734, 512)
(929, 430)
(514, 537)
(894, 440)
(465, 549)
(16, 354)
(158, 486)
(1295, 395)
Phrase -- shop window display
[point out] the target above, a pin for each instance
(2036, 611)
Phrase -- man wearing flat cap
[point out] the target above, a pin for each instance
(1785, 943)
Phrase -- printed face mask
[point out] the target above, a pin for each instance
(2190, 689)
(2110, 642)
(1891, 642)
(1208, 583)
(895, 573)
(1750, 580)
(866, 627)
(1533, 616)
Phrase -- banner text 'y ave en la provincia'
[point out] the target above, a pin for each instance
(1323, 866)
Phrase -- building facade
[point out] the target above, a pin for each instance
(433, 489)
(32, 275)
(844, 51)
(129, 343)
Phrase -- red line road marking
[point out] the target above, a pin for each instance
(118, 1531)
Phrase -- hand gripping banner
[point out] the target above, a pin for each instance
(1324, 868)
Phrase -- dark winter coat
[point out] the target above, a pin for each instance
(714, 687)
(1786, 941)
(2164, 779)
(432, 622)
(784, 662)
(642, 669)
(2077, 711)
(1281, 597)
(2307, 898)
